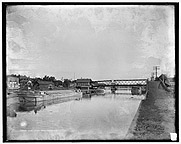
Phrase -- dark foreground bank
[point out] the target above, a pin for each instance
(155, 119)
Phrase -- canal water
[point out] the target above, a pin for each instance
(100, 117)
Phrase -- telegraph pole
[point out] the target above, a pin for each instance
(156, 68)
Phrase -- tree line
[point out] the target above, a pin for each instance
(23, 79)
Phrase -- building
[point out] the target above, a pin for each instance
(57, 83)
(45, 85)
(13, 82)
(84, 84)
(23, 80)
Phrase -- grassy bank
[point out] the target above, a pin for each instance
(155, 119)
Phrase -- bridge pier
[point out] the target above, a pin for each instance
(113, 89)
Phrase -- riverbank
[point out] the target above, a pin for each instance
(155, 118)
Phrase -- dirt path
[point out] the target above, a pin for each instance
(155, 119)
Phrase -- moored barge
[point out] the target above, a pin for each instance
(44, 96)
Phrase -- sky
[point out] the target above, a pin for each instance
(97, 42)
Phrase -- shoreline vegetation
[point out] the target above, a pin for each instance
(155, 119)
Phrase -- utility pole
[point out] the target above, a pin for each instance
(152, 76)
(156, 68)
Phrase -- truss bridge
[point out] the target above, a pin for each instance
(126, 82)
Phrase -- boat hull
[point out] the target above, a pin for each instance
(100, 91)
(46, 97)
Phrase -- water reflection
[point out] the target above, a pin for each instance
(28, 106)
(87, 96)
(92, 117)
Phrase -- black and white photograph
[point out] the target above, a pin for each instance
(90, 72)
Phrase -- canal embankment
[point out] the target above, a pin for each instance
(155, 117)
(13, 99)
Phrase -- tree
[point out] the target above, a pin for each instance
(57, 82)
(49, 78)
(52, 79)
(35, 84)
(46, 78)
(66, 83)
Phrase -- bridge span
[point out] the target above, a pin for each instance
(125, 82)
(136, 85)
